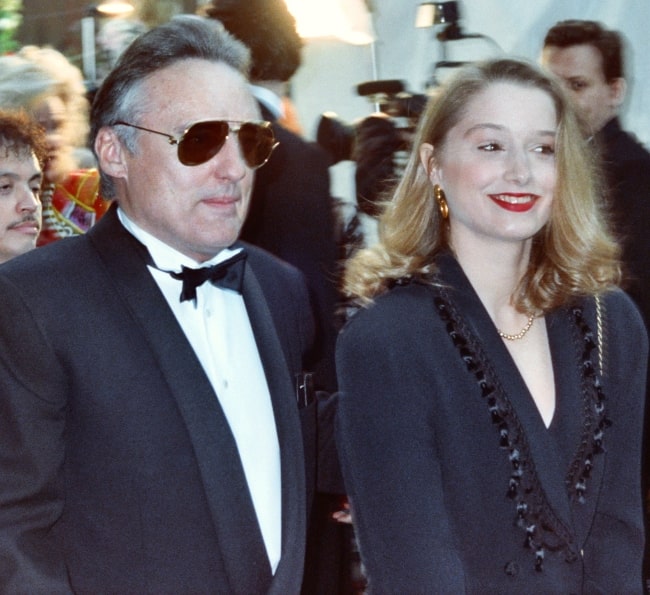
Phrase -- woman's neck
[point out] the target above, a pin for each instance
(495, 271)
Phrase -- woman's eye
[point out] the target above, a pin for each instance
(545, 150)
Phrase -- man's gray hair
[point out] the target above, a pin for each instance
(182, 38)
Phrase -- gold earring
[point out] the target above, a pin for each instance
(442, 201)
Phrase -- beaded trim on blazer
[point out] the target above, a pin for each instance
(533, 513)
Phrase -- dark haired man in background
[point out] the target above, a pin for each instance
(589, 59)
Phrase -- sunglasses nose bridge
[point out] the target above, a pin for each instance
(232, 149)
(234, 134)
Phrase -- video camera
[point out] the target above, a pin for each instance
(390, 97)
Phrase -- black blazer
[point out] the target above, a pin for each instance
(118, 470)
(436, 423)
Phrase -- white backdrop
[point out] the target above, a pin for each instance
(331, 69)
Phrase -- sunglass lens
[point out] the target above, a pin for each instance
(202, 142)
(257, 142)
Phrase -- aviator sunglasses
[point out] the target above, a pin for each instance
(201, 141)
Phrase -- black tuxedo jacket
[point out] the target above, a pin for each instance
(118, 470)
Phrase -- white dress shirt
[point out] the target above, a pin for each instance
(219, 330)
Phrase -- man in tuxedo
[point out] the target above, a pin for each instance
(22, 152)
(151, 436)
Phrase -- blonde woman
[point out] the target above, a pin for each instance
(492, 383)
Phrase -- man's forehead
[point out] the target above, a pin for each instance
(580, 59)
(193, 83)
(11, 150)
(208, 69)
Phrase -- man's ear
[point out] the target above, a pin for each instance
(110, 153)
(618, 88)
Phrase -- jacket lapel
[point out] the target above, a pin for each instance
(216, 452)
(567, 358)
(549, 465)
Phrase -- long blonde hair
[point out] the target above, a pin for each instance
(574, 254)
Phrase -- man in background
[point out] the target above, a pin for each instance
(22, 153)
(589, 59)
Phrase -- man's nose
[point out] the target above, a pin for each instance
(229, 161)
(28, 201)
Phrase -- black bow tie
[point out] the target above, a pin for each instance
(228, 274)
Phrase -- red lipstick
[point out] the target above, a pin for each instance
(516, 202)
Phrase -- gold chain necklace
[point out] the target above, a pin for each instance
(521, 333)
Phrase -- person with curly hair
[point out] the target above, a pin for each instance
(22, 155)
(492, 381)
